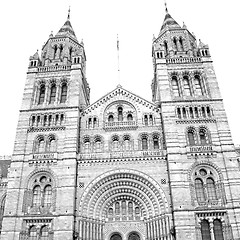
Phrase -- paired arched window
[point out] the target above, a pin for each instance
(45, 144)
(202, 137)
(51, 144)
(63, 97)
(41, 94)
(166, 47)
(43, 234)
(175, 44)
(42, 192)
(217, 229)
(52, 94)
(181, 44)
(205, 186)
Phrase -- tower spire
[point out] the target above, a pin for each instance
(166, 9)
(68, 13)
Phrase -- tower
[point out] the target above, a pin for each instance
(201, 157)
(44, 159)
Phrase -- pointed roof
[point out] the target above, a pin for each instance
(169, 22)
(122, 94)
(66, 30)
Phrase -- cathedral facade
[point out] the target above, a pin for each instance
(122, 168)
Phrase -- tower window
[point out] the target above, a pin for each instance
(181, 44)
(52, 94)
(211, 189)
(196, 112)
(166, 47)
(187, 88)
(63, 93)
(175, 43)
(191, 137)
(70, 53)
(37, 196)
(175, 86)
(155, 142)
(199, 190)
(203, 136)
(217, 229)
(55, 52)
(41, 94)
(144, 143)
(198, 86)
(146, 120)
(205, 230)
(191, 112)
(61, 51)
(47, 196)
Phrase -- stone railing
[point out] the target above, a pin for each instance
(43, 158)
(121, 154)
(110, 126)
(54, 68)
(184, 60)
(200, 148)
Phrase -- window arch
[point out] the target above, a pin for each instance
(47, 196)
(52, 94)
(63, 98)
(175, 86)
(40, 144)
(191, 135)
(129, 117)
(37, 195)
(86, 144)
(41, 94)
(126, 143)
(98, 143)
(203, 136)
(110, 118)
(156, 141)
(144, 140)
(115, 143)
(51, 143)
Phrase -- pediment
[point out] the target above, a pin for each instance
(121, 95)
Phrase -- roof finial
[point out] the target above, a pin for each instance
(68, 13)
(166, 9)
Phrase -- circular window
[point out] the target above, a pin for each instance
(203, 172)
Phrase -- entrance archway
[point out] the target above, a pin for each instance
(133, 236)
(116, 236)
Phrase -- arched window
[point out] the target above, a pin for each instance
(44, 234)
(134, 236)
(61, 51)
(196, 112)
(63, 98)
(110, 118)
(33, 233)
(199, 190)
(179, 114)
(130, 208)
(146, 120)
(144, 143)
(54, 51)
(124, 207)
(166, 47)
(175, 87)
(70, 53)
(175, 43)
(191, 137)
(41, 94)
(217, 229)
(52, 94)
(203, 136)
(181, 44)
(117, 208)
(211, 189)
(155, 142)
(115, 143)
(203, 112)
(126, 142)
(120, 114)
(47, 196)
(129, 117)
(40, 145)
(187, 88)
(98, 144)
(184, 112)
(37, 196)
(208, 112)
(205, 230)
(198, 85)
(51, 145)
(150, 119)
(191, 112)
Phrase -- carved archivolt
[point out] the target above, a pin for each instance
(123, 184)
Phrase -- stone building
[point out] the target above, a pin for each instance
(122, 168)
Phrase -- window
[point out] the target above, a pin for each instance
(2, 210)
(217, 229)
(44, 234)
(199, 190)
(181, 44)
(52, 94)
(144, 143)
(98, 144)
(146, 120)
(61, 51)
(186, 84)
(211, 189)
(175, 43)
(33, 233)
(191, 137)
(110, 118)
(203, 136)
(37, 196)
(166, 47)
(126, 142)
(117, 208)
(41, 94)
(175, 87)
(40, 144)
(120, 114)
(196, 112)
(115, 143)
(155, 142)
(129, 117)
(63, 98)
(191, 112)
(198, 86)
(130, 208)
(150, 119)
(47, 196)
(51, 143)
(205, 230)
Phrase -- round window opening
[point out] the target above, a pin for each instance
(116, 236)
(133, 236)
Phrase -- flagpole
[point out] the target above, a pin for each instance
(118, 60)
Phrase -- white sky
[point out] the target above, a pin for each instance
(26, 25)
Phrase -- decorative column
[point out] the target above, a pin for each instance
(57, 97)
(211, 229)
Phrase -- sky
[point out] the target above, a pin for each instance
(27, 24)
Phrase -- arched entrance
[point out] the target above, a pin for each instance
(116, 236)
(133, 236)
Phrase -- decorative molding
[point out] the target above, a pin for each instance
(45, 129)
